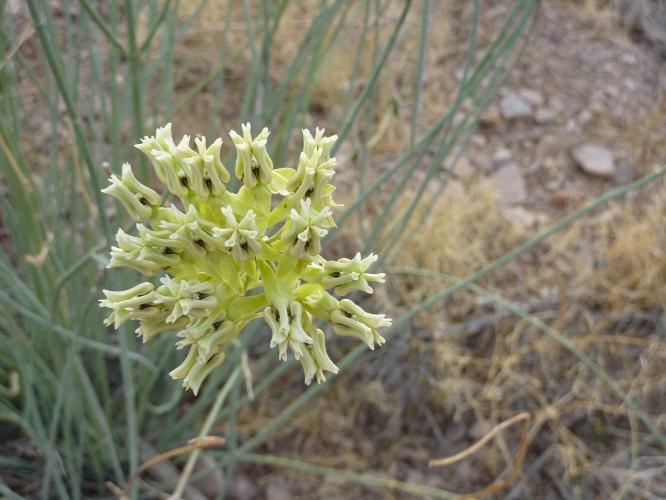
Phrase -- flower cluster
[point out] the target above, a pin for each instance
(228, 258)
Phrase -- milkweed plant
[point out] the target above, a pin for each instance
(229, 258)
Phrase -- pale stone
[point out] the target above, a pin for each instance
(532, 96)
(514, 107)
(510, 184)
(241, 488)
(211, 484)
(595, 160)
(545, 115)
(277, 490)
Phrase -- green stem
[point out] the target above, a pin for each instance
(135, 77)
(50, 49)
(210, 420)
(103, 26)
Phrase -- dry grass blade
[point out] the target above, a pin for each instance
(527, 418)
(198, 443)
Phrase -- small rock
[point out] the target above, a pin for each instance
(513, 107)
(434, 481)
(510, 184)
(532, 96)
(584, 117)
(477, 431)
(502, 157)
(463, 170)
(629, 58)
(490, 117)
(479, 140)
(415, 476)
(241, 488)
(549, 147)
(560, 197)
(278, 490)
(484, 163)
(454, 190)
(545, 115)
(212, 483)
(595, 160)
(520, 216)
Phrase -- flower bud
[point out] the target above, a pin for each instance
(370, 320)
(252, 162)
(158, 324)
(120, 258)
(347, 275)
(137, 207)
(198, 372)
(215, 174)
(145, 192)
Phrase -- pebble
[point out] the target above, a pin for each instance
(532, 96)
(277, 490)
(560, 198)
(549, 147)
(464, 170)
(211, 484)
(545, 115)
(520, 216)
(491, 117)
(415, 476)
(513, 107)
(502, 157)
(510, 184)
(624, 174)
(241, 488)
(595, 160)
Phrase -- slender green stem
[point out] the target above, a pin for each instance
(377, 482)
(210, 420)
(103, 26)
(156, 24)
(419, 76)
(49, 47)
(346, 125)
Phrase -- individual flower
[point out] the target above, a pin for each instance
(138, 199)
(287, 325)
(239, 237)
(315, 360)
(352, 321)
(304, 232)
(252, 163)
(347, 275)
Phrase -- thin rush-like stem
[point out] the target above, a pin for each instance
(210, 420)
